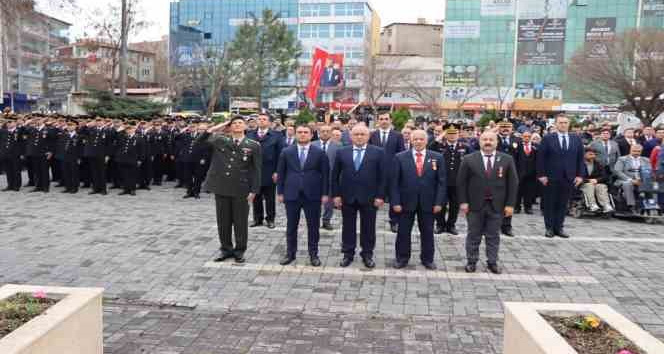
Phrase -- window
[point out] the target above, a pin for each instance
(388, 95)
(349, 9)
(315, 10)
(348, 30)
(315, 30)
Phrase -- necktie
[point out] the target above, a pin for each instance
(489, 166)
(325, 147)
(527, 149)
(260, 135)
(303, 158)
(606, 147)
(419, 164)
(564, 142)
(237, 142)
(357, 161)
(382, 138)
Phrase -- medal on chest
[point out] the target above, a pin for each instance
(434, 165)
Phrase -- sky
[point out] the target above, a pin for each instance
(156, 11)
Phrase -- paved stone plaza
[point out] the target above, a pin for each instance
(153, 255)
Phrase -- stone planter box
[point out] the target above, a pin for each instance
(527, 332)
(71, 326)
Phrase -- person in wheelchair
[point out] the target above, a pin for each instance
(594, 186)
(628, 174)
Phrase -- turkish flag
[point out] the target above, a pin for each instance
(317, 67)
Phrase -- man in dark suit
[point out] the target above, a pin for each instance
(358, 186)
(487, 187)
(69, 152)
(625, 141)
(303, 184)
(271, 145)
(130, 155)
(40, 147)
(330, 146)
(560, 168)
(508, 144)
(201, 157)
(12, 151)
(418, 188)
(525, 158)
(331, 76)
(234, 178)
(391, 141)
(97, 150)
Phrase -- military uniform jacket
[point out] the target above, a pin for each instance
(69, 149)
(510, 148)
(130, 150)
(97, 142)
(40, 141)
(236, 169)
(11, 143)
(453, 155)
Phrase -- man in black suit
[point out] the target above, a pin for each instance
(303, 176)
(525, 158)
(69, 152)
(625, 141)
(418, 188)
(130, 154)
(271, 145)
(560, 168)
(201, 158)
(358, 186)
(487, 187)
(508, 144)
(391, 141)
(12, 152)
(40, 147)
(97, 150)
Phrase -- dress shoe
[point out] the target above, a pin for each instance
(255, 224)
(562, 234)
(36, 190)
(73, 191)
(529, 211)
(123, 193)
(287, 259)
(549, 233)
(430, 266)
(93, 192)
(270, 225)
(439, 230)
(224, 256)
(197, 196)
(187, 196)
(327, 226)
(368, 262)
(132, 193)
(398, 264)
(493, 268)
(239, 258)
(394, 228)
(508, 232)
(6, 189)
(103, 193)
(346, 261)
(452, 230)
(178, 186)
(470, 268)
(315, 261)
(65, 191)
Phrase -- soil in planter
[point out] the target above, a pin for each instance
(17, 310)
(601, 340)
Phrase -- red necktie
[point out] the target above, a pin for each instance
(528, 150)
(419, 163)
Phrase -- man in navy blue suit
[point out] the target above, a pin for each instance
(302, 183)
(392, 143)
(358, 186)
(560, 168)
(418, 187)
(271, 143)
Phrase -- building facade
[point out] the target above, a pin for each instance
(421, 39)
(514, 51)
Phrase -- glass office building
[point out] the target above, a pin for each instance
(517, 49)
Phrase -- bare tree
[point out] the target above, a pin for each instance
(630, 69)
(497, 85)
(380, 75)
(424, 93)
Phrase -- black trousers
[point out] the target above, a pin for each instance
(200, 172)
(84, 173)
(27, 163)
(367, 229)
(146, 172)
(129, 173)
(312, 211)
(555, 202)
(180, 167)
(158, 170)
(451, 209)
(187, 175)
(40, 169)
(425, 224)
(56, 170)
(70, 175)
(97, 166)
(13, 166)
(266, 193)
(527, 192)
(232, 215)
(483, 222)
(169, 168)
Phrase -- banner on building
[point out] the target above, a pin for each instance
(60, 79)
(460, 75)
(186, 47)
(552, 91)
(653, 8)
(599, 33)
(524, 91)
(462, 29)
(541, 41)
(491, 8)
(326, 73)
(540, 9)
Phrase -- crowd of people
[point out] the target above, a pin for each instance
(431, 170)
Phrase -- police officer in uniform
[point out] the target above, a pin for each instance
(11, 153)
(453, 150)
(235, 179)
(68, 152)
(508, 144)
(96, 150)
(40, 146)
(200, 161)
(130, 155)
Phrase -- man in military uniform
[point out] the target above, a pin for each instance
(508, 144)
(159, 149)
(68, 153)
(11, 154)
(96, 150)
(234, 178)
(130, 155)
(196, 169)
(40, 146)
(447, 143)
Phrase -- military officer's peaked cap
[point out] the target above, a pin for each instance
(237, 117)
(505, 124)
